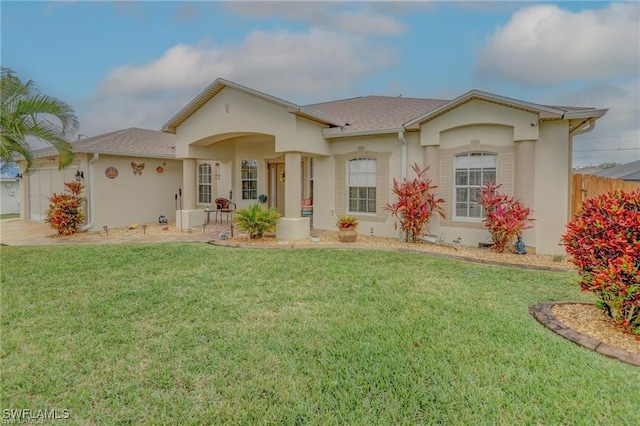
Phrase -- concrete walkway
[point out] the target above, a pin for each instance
(16, 232)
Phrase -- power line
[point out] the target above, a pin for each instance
(602, 150)
(608, 136)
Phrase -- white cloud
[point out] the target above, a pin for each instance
(296, 66)
(544, 44)
(363, 20)
(180, 67)
(366, 23)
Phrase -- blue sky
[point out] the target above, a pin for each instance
(136, 64)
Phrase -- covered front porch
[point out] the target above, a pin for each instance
(239, 143)
(246, 169)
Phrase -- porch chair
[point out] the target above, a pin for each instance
(306, 208)
(223, 206)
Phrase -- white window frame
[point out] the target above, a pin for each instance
(359, 180)
(251, 192)
(205, 182)
(480, 168)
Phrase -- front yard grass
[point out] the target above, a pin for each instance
(197, 334)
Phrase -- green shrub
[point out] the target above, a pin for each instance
(603, 241)
(64, 213)
(256, 220)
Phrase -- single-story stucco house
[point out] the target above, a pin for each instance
(235, 142)
(345, 154)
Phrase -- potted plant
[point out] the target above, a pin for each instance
(347, 228)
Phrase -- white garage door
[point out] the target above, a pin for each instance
(42, 184)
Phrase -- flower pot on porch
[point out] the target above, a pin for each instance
(348, 235)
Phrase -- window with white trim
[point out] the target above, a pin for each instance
(362, 180)
(472, 171)
(249, 179)
(204, 183)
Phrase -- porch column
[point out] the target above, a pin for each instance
(292, 184)
(292, 226)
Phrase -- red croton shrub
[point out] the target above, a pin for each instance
(506, 217)
(416, 204)
(603, 241)
(64, 213)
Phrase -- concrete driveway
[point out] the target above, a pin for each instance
(19, 232)
(16, 232)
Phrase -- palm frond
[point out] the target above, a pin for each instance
(25, 112)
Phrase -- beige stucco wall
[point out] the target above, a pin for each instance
(130, 198)
(488, 138)
(389, 149)
(552, 185)
(234, 112)
(481, 112)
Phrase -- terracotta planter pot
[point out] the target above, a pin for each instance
(347, 235)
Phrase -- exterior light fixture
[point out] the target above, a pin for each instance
(79, 176)
(216, 170)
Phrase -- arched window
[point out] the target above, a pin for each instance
(362, 181)
(472, 171)
(204, 183)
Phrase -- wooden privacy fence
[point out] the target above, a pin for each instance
(588, 186)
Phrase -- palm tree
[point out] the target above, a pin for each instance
(25, 112)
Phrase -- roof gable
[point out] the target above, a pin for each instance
(219, 84)
(543, 111)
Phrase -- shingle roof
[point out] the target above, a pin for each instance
(131, 142)
(373, 113)
(376, 112)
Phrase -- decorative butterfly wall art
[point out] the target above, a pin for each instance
(137, 168)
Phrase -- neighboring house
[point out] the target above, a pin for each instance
(628, 171)
(345, 154)
(119, 190)
(9, 189)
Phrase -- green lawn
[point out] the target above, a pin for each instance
(197, 334)
(9, 216)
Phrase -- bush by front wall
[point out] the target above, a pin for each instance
(64, 213)
(603, 241)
